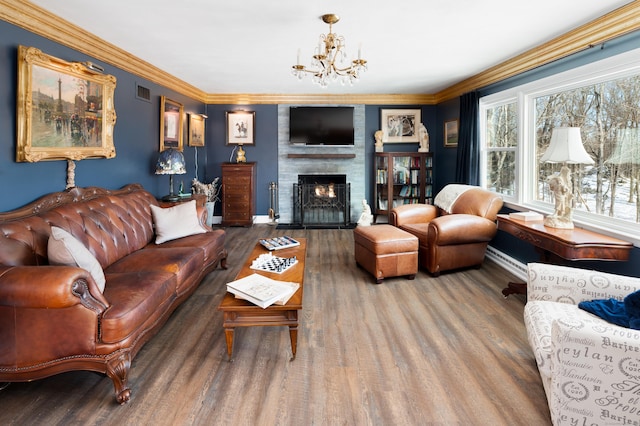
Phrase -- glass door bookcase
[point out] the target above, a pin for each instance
(402, 178)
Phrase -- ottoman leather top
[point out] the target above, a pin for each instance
(385, 239)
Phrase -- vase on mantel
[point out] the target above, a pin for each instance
(210, 206)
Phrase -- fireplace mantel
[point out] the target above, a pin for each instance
(294, 160)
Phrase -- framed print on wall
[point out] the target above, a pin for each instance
(171, 124)
(64, 109)
(400, 125)
(241, 127)
(451, 133)
(196, 130)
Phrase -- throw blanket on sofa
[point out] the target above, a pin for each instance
(625, 313)
(449, 194)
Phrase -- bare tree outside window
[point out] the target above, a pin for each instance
(608, 116)
(501, 143)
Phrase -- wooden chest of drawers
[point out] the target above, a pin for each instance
(238, 194)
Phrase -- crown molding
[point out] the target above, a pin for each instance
(621, 21)
(39, 21)
(369, 99)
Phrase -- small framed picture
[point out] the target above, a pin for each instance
(171, 113)
(196, 130)
(400, 125)
(241, 127)
(451, 134)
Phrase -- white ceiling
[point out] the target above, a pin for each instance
(412, 46)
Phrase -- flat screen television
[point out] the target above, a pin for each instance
(321, 125)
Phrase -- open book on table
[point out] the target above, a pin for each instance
(262, 291)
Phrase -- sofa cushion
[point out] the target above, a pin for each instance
(211, 243)
(176, 222)
(64, 249)
(137, 297)
(183, 262)
(420, 230)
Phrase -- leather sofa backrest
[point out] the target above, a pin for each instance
(479, 202)
(111, 224)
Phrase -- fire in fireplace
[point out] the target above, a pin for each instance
(322, 201)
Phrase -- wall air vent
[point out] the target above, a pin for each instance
(143, 93)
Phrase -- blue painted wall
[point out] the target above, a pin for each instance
(264, 152)
(136, 134)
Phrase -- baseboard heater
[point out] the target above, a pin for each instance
(512, 265)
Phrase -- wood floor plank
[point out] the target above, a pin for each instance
(442, 351)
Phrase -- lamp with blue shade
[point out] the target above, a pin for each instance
(171, 162)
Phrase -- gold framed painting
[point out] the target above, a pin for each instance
(196, 130)
(451, 134)
(65, 110)
(400, 125)
(171, 124)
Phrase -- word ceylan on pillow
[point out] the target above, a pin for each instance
(64, 249)
(176, 222)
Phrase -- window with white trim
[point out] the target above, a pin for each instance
(500, 129)
(603, 100)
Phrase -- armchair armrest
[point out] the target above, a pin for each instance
(595, 370)
(574, 285)
(49, 287)
(413, 213)
(461, 229)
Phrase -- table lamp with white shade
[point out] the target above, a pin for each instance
(566, 148)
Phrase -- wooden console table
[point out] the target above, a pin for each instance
(556, 245)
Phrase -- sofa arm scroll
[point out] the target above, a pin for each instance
(49, 287)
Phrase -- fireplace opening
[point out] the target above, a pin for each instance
(321, 200)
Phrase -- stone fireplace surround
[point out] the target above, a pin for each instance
(294, 160)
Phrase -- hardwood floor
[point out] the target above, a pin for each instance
(446, 350)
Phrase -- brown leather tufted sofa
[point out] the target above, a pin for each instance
(55, 319)
(454, 239)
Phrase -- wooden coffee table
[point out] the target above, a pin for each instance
(241, 313)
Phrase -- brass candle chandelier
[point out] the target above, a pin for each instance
(329, 61)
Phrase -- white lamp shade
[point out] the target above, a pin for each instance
(566, 147)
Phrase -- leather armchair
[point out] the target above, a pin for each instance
(455, 236)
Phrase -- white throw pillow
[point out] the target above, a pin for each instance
(64, 249)
(176, 222)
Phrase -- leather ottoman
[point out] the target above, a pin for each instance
(386, 251)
